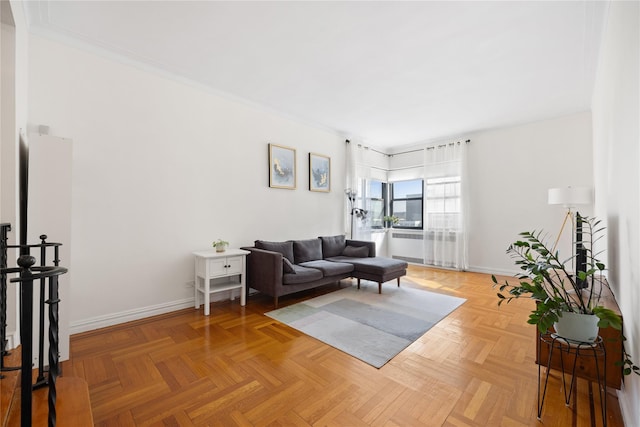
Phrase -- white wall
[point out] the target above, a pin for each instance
(161, 169)
(8, 148)
(13, 118)
(616, 121)
(510, 171)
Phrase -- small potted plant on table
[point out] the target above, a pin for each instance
(390, 220)
(220, 245)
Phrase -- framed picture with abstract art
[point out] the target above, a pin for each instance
(319, 172)
(282, 167)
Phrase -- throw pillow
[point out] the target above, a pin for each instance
(332, 245)
(285, 248)
(287, 267)
(356, 251)
(307, 250)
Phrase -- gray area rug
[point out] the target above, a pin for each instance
(370, 326)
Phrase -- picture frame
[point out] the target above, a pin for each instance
(319, 173)
(282, 167)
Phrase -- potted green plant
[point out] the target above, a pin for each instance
(390, 220)
(220, 245)
(561, 295)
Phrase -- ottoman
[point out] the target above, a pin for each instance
(378, 269)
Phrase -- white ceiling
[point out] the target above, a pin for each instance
(387, 73)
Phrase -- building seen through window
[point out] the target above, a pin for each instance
(432, 204)
(406, 203)
(374, 198)
(442, 204)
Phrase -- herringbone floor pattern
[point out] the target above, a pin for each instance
(241, 368)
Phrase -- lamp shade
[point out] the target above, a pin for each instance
(570, 196)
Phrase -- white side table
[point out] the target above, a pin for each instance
(219, 265)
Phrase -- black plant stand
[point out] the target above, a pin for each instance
(579, 349)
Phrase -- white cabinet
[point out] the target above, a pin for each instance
(218, 272)
(50, 181)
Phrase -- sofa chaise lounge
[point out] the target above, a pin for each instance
(282, 268)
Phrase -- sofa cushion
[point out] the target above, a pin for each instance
(329, 268)
(332, 245)
(302, 275)
(306, 250)
(287, 266)
(285, 248)
(376, 265)
(355, 251)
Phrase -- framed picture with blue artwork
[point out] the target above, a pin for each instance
(282, 167)
(319, 172)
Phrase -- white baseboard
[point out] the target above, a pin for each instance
(13, 340)
(128, 315)
(476, 269)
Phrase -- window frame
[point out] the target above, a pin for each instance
(444, 180)
(393, 199)
(367, 199)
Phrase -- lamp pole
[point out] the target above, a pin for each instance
(359, 212)
(570, 197)
(351, 195)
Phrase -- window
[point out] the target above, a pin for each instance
(375, 199)
(443, 203)
(406, 203)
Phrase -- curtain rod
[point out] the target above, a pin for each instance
(369, 148)
(407, 152)
(405, 168)
(430, 148)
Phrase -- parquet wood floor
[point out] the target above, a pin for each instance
(241, 368)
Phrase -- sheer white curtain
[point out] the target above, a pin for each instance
(362, 164)
(445, 202)
(353, 191)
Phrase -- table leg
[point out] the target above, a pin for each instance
(207, 289)
(602, 384)
(195, 285)
(546, 379)
(243, 289)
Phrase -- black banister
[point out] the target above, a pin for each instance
(40, 379)
(26, 336)
(54, 366)
(29, 273)
(40, 272)
(4, 235)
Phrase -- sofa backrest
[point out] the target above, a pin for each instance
(285, 248)
(298, 251)
(307, 250)
(333, 245)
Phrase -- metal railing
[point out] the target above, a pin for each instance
(46, 277)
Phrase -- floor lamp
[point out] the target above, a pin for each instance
(571, 197)
(355, 212)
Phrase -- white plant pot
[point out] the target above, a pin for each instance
(577, 326)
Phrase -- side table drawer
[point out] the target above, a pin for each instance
(225, 266)
(234, 265)
(217, 267)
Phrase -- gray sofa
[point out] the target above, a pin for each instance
(283, 268)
